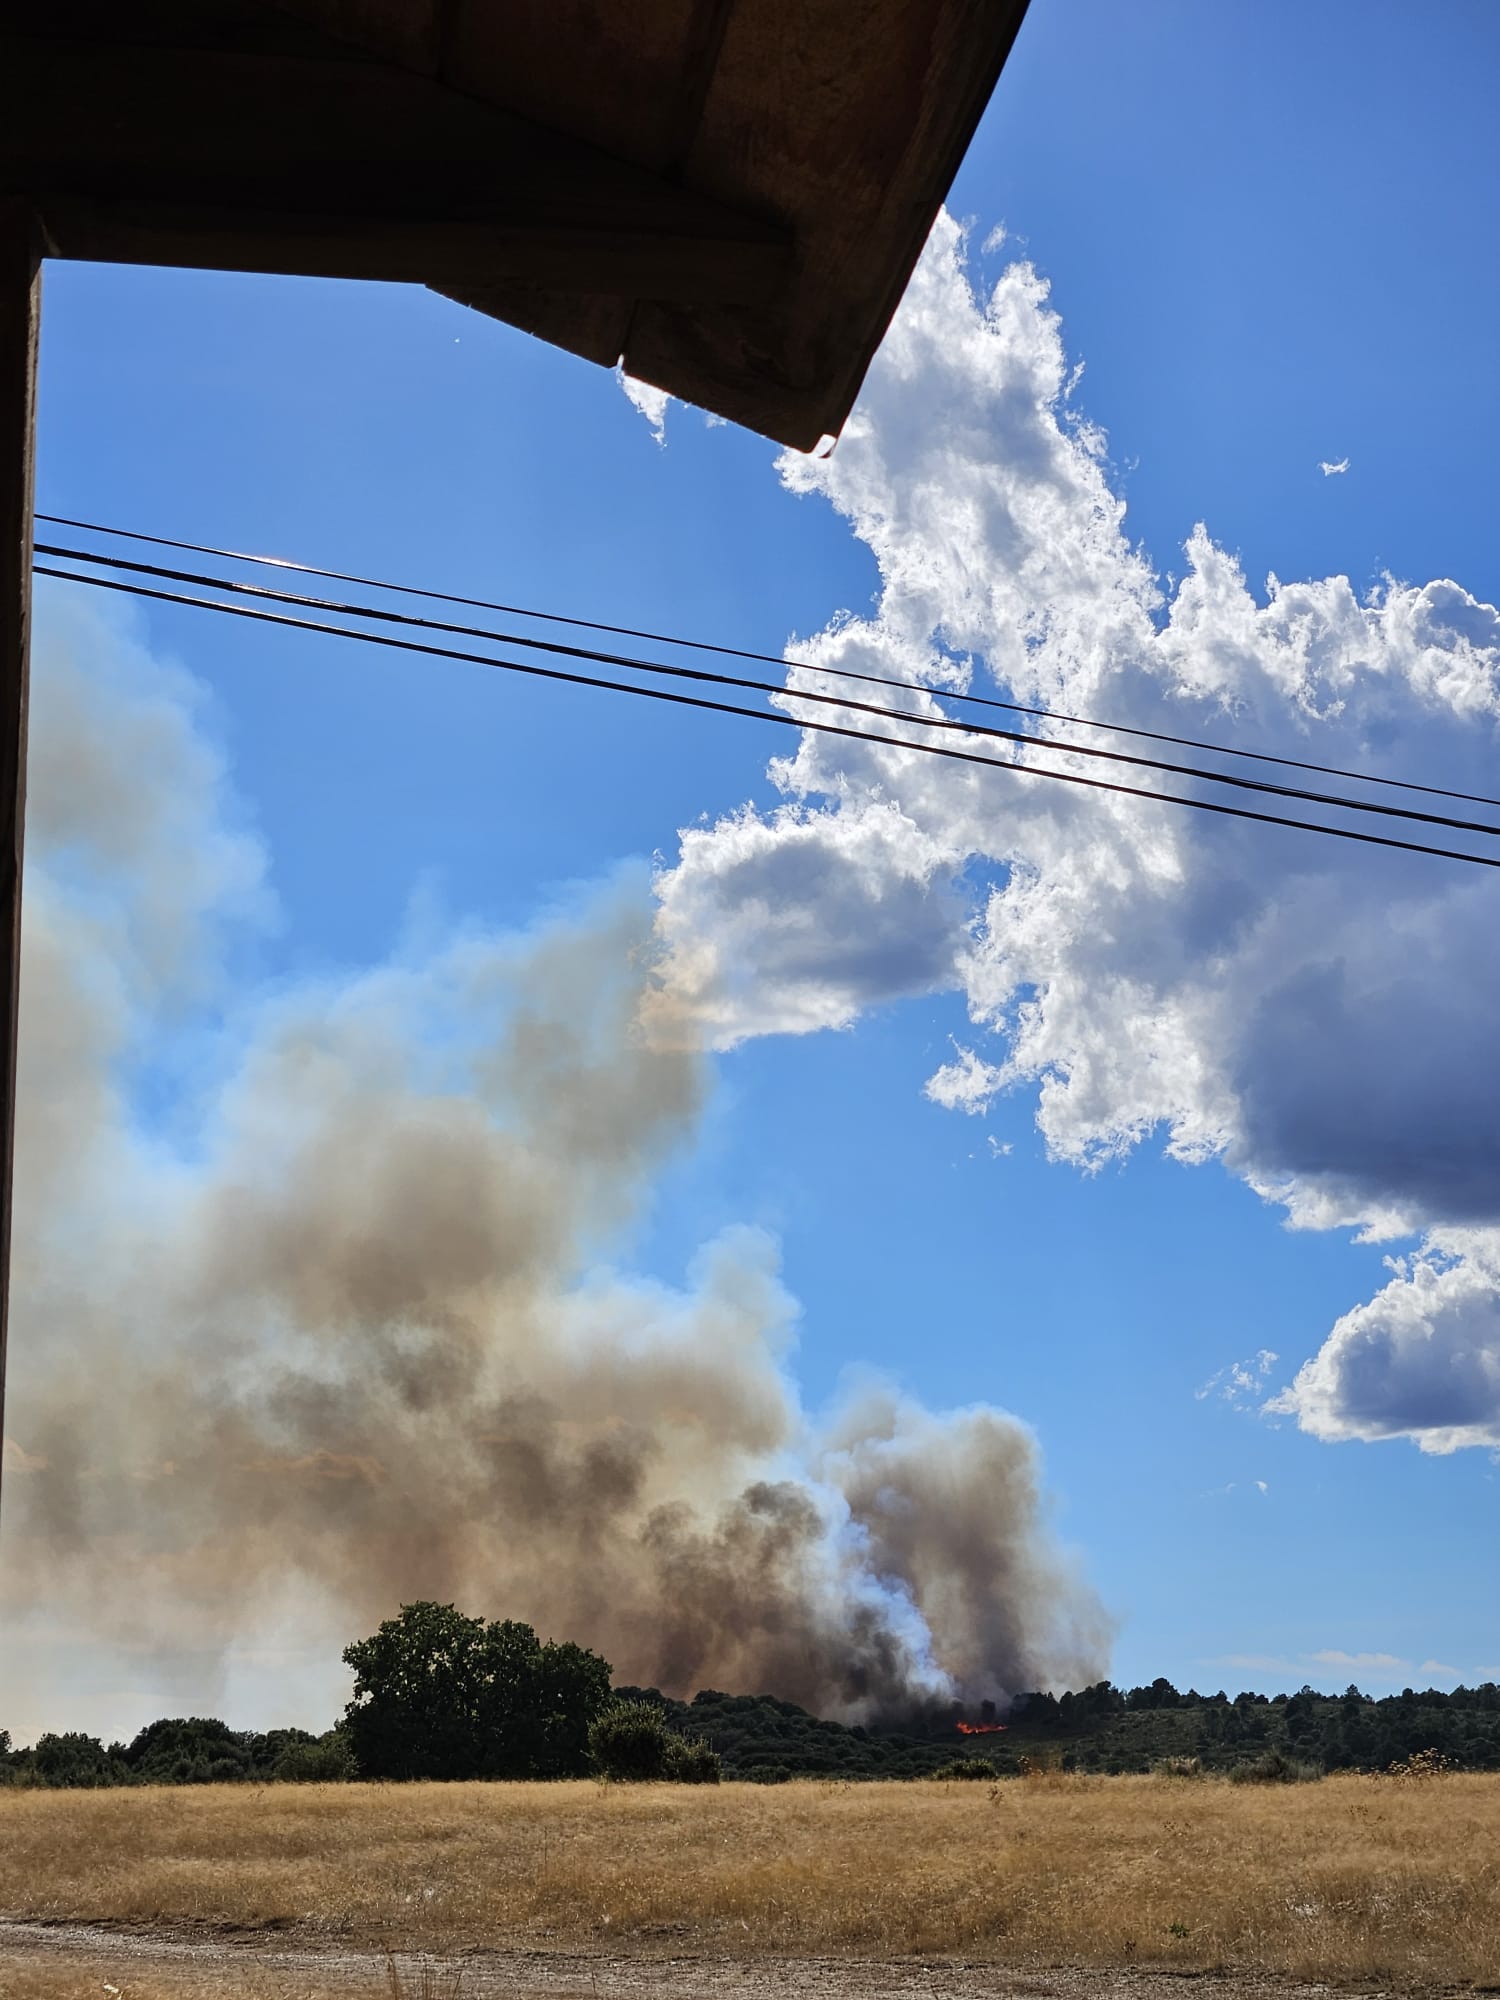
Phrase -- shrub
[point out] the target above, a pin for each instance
(631, 1744)
(692, 1760)
(1274, 1768)
(766, 1774)
(966, 1767)
(324, 1760)
(628, 1742)
(1177, 1767)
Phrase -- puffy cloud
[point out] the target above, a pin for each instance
(803, 920)
(1420, 1360)
(1318, 1016)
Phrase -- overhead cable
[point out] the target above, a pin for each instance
(770, 659)
(780, 692)
(536, 671)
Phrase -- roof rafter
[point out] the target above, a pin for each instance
(353, 168)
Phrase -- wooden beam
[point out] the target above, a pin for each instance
(20, 310)
(249, 161)
(571, 254)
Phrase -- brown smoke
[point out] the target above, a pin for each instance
(352, 1340)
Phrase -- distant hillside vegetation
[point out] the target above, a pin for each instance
(766, 1741)
(1106, 1729)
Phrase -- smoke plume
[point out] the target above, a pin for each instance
(336, 1328)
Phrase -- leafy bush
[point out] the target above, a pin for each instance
(321, 1760)
(766, 1774)
(966, 1767)
(630, 1743)
(1274, 1768)
(1177, 1767)
(691, 1760)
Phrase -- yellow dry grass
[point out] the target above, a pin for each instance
(90, 1979)
(1351, 1879)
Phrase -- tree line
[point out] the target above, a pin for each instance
(437, 1694)
(440, 1695)
(1104, 1728)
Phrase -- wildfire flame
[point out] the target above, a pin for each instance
(980, 1728)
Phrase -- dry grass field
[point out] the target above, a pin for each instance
(1354, 1880)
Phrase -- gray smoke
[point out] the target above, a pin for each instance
(339, 1330)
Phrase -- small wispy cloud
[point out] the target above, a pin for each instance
(1252, 1663)
(1365, 1663)
(1240, 1383)
(652, 403)
(1328, 467)
(1373, 1667)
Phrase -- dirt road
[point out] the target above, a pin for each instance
(209, 1955)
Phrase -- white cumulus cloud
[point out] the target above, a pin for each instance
(1329, 467)
(1317, 1016)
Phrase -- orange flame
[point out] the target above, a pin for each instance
(980, 1728)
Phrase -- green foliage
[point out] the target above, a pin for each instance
(191, 1750)
(315, 1760)
(691, 1760)
(631, 1744)
(756, 1733)
(966, 1767)
(1152, 1725)
(72, 1760)
(628, 1742)
(441, 1695)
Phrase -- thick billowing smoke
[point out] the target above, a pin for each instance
(1319, 1017)
(335, 1327)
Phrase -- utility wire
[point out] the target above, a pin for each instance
(767, 659)
(532, 668)
(780, 692)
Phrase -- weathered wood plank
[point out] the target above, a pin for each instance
(464, 260)
(20, 308)
(257, 162)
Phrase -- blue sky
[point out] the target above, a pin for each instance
(1266, 234)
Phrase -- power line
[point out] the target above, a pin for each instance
(536, 671)
(778, 691)
(769, 659)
